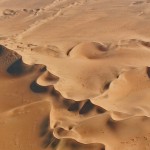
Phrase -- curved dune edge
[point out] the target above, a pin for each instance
(117, 117)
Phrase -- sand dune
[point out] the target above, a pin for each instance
(74, 75)
(77, 115)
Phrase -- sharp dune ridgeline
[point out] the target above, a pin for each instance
(74, 75)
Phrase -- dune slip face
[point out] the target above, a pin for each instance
(74, 75)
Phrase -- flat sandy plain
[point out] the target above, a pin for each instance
(74, 74)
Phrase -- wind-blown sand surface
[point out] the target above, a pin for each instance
(74, 75)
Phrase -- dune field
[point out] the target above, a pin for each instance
(75, 75)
